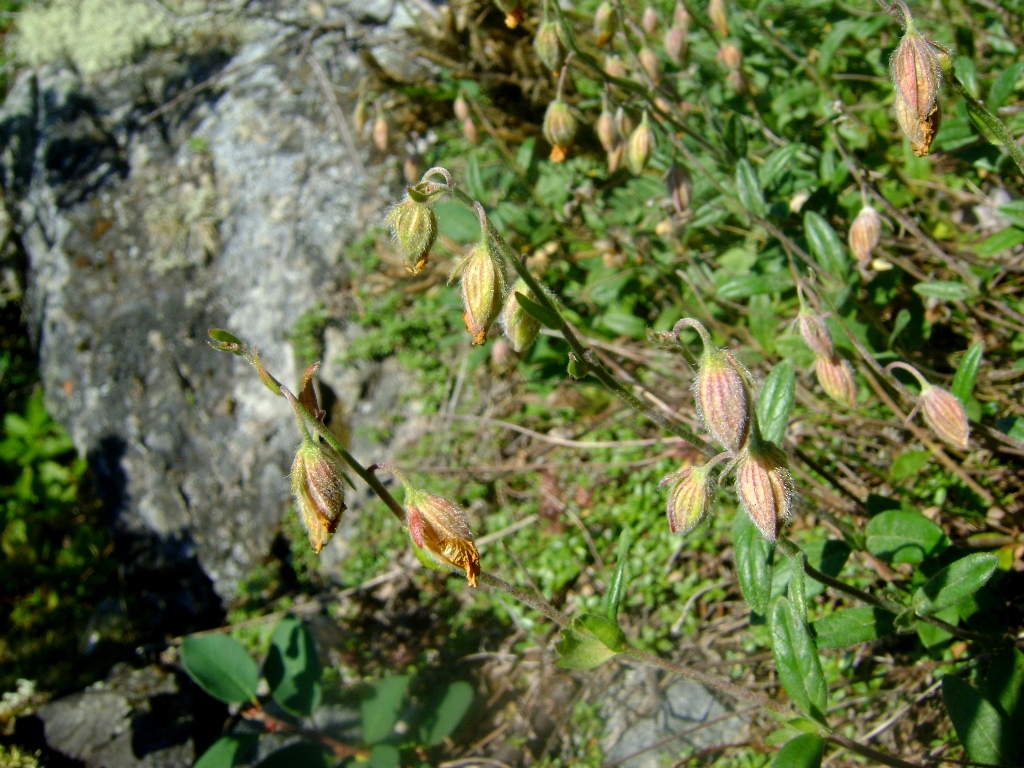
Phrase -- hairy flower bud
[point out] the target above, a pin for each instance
(681, 18)
(461, 107)
(649, 20)
(730, 55)
(469, 132)
(605, 126)
(836, 377)
(548, 46)
(483, 287)
(719, 17)
(722, 393)
(319, 488)
(680, 188)
(614, 66)
(360, 116)
(520, 327)
(674, 44)
(865, 233)
(616, 155)
(641, 146)
(441, 529)
(380, 133)
(815, 333)
(604, 23)
(559, 129)
(946, 416)
(765, 486)
(917, 76)
(414, 227)
(652, 66)
(691, 495)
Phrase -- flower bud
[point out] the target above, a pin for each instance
(614, 66)
(360, 116)
(815, 333)
(680, 188)
(719, 17)
(469, 130)
(559, 129)
(681, 18)
(736, 82)
(649, 61)
(515, 16)
(616, 155)
(414, 227)
(318, 485)
(946, 416)
(722, 393)
(649, 20)
(865, 233)
(622, 122)
(765, 486)
(604, 24)
(641, 146)
(483, 286)
(836, 377)
(380, 133)
(548, 46)
(674, 44)
(441, 529)
(917, 75)
(730, 55)
(605, 126)
(520, 327)
(461, 108)
(690, 497)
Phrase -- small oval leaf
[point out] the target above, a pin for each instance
(776, 401)
(967, 373)
(853, 625)
(904, 536)
(749, 188)
(753, 563)
(825, 245)
(957, 581)
(946, 290)
(803, 751)
(796, 659)
(220, 666)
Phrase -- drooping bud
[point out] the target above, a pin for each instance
(605, 126)
(380, 133)
(942, 410)
(674, 44)
(548, 46)
(815, 333)
(614, 66)
(917, 75)
(319, 488)
(765, 486)
(559, 129)
(649, 20)
(483, 287)
(730, 55)
(681, 18)
(691, 496)
(836, 377)
(865, 233)
(719, 17)
(604, 24)
(469, 132)
(641, 146)
(722, 392)
(652, 66)
(360, 116)
(622, 122)
(616, 155)
(680, 188)
(461, 107)
(414, 227)
(519, 327)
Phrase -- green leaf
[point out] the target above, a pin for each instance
(853, 625)
(227, 751)
(826, 555)
(967, 372)
(384, 756)
(293, 669)
(957, 581)
(984, 121)
(751, 285)
(1004, 85)
(946, 290)
(580, 651)
(803, 751)
(1004, 687)
(448, 712)
(796, 659)
(825, 245)
(605, 630)
(474, 181)
(525, 154)
(976, 721)
(220, 666)
(303, 753)
(749, 189)
(797, 591)
(457, 222)
(904, 536)
(930, 635)
(908, 463)
(540, 313)
(776, 401)
(735, 136)
(380, 710)
(1010, 237)
(620, 576)
(753, 563)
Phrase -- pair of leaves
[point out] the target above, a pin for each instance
(381, 709)
(990, 723)
(589, 642)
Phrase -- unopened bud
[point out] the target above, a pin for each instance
(681, 18)
(622, 122)
(548, 46)
(461, 107)
(730, 55)
(614, 66)
(722, 393)
(652, 66)
(360, 116)
(380, 133)
(519, 326)
(469, 130)
(836, 377)
(765, 486)
(641, 146)
(719, 17)
(559, 129)
(649, 20)
(616, 156)
(414, 227)
(605, 127)
(680, 188)
(917, 76)
(736, 82)
(483, 287)
(815, 333)
(946, 416)
(604, 24)
(674, 43)
(865, 233)
(691, 495)
(319, 488)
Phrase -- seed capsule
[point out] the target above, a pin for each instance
(765, 486)
(604, 24)
(815, 333)
(836, 377)
(483, 287)
(559, 129)
(917, 76)
(865, 233)
(946, 416)
(414, 227)
(719, 17)
(548, 46)
(520, 327)
(641, 146)
(319, 488)
(690, 497)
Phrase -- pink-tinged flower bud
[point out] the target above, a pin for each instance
(520, 327)
(605, 126)
(730, 55)
(719, 17)
(691, 495)
(380, 133)
(836, 377)
(616, 156)
(681, 18)
(736, 82)
(319, 488)
(548, 46)
(917, 75)
(652, 66)
(946, 416)
(815, 333)
(414, 227)
(614, 66)
(649, 20)
(604, 24)
(722, 392)
(641, 146)
(765, 486)
(483, 287)
(559, 129)
(680, 188)
(674, 44)
(865, 233)
(469, 132)
(461, 107)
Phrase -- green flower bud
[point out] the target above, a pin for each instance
(414, 227)
(641, 146)
(548, 46)
(719, 17)
(690, 497)
(681, 19)
(483, 287)
(652, 66)
(604, 24)
(559, 129)
(520, 327)
(815, 333)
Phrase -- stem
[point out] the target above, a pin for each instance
(869, 752)
(999, 130)
(537, 604)
(911, 369)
